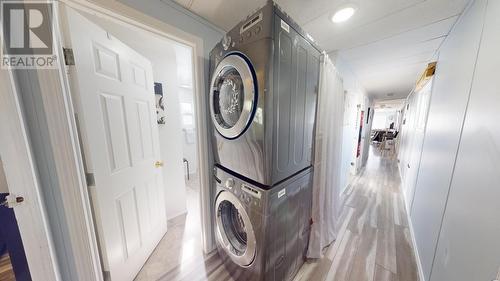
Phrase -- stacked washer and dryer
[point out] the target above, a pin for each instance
(264, 84)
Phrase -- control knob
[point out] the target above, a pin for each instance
(226, 42)
(229, 183)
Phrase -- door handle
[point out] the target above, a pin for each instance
(158, 164)
(12, 201)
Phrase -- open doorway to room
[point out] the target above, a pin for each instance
(386, 124)
(358, 113)
(134, 96)
(189, 141)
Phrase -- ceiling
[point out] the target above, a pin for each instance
(389, 105)
(387, 43)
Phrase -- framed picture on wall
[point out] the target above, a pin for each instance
(160, 105)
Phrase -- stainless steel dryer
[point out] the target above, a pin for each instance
(264, 82)
(262, 234)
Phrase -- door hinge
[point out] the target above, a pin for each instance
(12, 201)
(89, 177)
(69, 58)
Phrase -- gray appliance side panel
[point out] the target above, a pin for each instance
(282, 99)
(295, 79)
(276, 237)
(284, 223)
(305, 208)
(302, 200)
(469, 242)
(446, 115)
(293, 227)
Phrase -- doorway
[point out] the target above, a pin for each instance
(127, 89)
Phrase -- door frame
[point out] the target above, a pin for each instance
(22, 180)
(60, 113)
(123, 14)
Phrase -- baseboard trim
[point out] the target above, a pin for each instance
(417, 255)
(412, 233)
(177, 215)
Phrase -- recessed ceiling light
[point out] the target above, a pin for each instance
(344, 13)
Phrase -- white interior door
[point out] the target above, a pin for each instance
(114, 85)
(421, 106)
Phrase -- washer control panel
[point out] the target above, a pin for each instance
(248, 195)
(251, 191)
(226, 42)
(251, 23)
(251, 28)
(229, 183)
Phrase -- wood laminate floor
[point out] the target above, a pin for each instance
(6, 271)
(373, 242)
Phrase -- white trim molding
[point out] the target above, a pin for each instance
(412, 233)
(22, 181)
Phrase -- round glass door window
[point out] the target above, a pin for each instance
(232, 96)
(234, 229)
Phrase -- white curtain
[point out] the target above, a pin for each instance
(327, 159)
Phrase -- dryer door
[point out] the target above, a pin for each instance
(233, 95)
(234, 229)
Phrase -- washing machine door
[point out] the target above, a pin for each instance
(233, 95)
(234, 229)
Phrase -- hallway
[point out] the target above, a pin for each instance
(373, 244)
(374, 241)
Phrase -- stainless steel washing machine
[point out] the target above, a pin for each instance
(262, 234)
(263, 90)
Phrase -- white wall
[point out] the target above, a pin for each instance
(189, 142)
(186, 98)
(171, 136)
(175, 15)
(448, 104)
(469, 241)
(455, 208)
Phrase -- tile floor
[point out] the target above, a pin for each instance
(181, 246)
